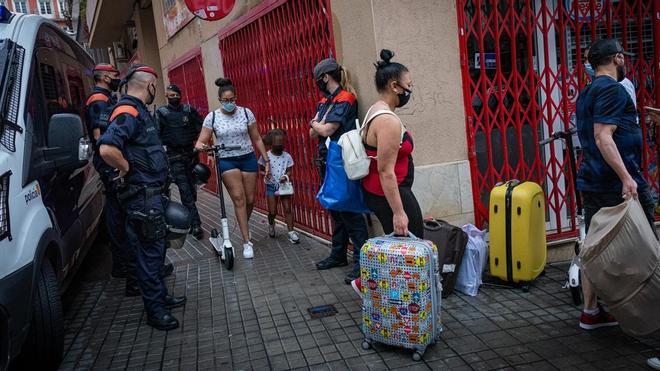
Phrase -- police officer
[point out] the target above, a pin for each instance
(132, 146)
(97, 111)
(335, 115)
(179, 126)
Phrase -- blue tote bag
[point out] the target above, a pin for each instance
(339, 193)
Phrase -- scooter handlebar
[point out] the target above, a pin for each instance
(217, 148)
(557, 135)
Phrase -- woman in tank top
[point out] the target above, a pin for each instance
(388, 186)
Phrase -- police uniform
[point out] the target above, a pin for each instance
(134, 132)
(341, 108)
(98, 107)
(179, 128)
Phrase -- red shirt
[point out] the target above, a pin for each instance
(404, 169)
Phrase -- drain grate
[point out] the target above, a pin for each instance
(322, 311)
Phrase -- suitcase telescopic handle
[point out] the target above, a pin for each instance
(410, 235)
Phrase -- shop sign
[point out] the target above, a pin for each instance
(176, 16)
(490, 61)
(583, 9)
(210, 10)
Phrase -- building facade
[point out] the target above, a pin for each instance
(56, 10)
(492, 79)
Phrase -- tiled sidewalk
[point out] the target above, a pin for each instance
(255, 317)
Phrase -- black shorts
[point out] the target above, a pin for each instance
(594, 201)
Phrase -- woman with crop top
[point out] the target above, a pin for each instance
(388, 186)
(235, 126)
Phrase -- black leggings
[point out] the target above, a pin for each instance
(383, 211)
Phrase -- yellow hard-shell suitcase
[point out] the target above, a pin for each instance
(517, 231)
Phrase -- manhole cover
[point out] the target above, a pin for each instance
(322, 311)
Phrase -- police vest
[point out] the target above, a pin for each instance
(104, 116)
(178, 128)
(145, 154)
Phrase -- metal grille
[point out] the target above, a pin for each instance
(5, 227)
(270, 61)
(189, 76)
(522, 71)
(8, 138)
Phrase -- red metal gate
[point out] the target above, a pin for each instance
(188, 74)
(269, 55)
(522, 68)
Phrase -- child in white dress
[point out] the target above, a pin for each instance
(281, 164)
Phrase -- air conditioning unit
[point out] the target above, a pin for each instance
(120, 52)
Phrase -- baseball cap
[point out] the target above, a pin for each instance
(325, 66)
(604, 48)
(174, 88)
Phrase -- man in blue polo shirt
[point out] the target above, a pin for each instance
(611, 142)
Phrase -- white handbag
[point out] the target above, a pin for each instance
(285, 189)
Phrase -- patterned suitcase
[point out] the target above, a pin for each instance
(401, 293)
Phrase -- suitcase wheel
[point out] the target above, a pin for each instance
(417, 356)
(366, 345)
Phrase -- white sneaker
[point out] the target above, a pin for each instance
(271, 230)
(293, 237)
(654, 363)
(247, 251)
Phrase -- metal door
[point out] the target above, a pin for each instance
(270, 60)
(522, 70)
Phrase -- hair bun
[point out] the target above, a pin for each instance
(385, 56)
(221, 81)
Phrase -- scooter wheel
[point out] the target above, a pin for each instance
(229, 258)
(576, 293)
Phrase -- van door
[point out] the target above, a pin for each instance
(73, 198)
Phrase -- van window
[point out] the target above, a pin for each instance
(59, 80)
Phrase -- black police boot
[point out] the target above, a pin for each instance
(352, 275)
(164, 322)
(168, 269)
(132, 289)
(174, 301)
(330, 262)
(197, 232)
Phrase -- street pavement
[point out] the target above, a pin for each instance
(255, 317)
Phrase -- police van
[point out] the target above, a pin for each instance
(50, 196)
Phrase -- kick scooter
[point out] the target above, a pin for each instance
(221, 244)
(573, 275)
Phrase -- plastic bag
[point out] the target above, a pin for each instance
(474, 261)
(339, 193)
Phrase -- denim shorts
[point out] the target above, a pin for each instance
(271, 189)
(246, 163)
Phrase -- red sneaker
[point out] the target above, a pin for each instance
(357, 286)
(602, 319)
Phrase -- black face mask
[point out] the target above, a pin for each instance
(323, 86)
(404, 97)
(277, 149)
(174, 102)
(114, 84)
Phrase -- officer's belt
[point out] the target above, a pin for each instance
(133, 190)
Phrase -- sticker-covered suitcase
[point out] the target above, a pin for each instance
(401, 293)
